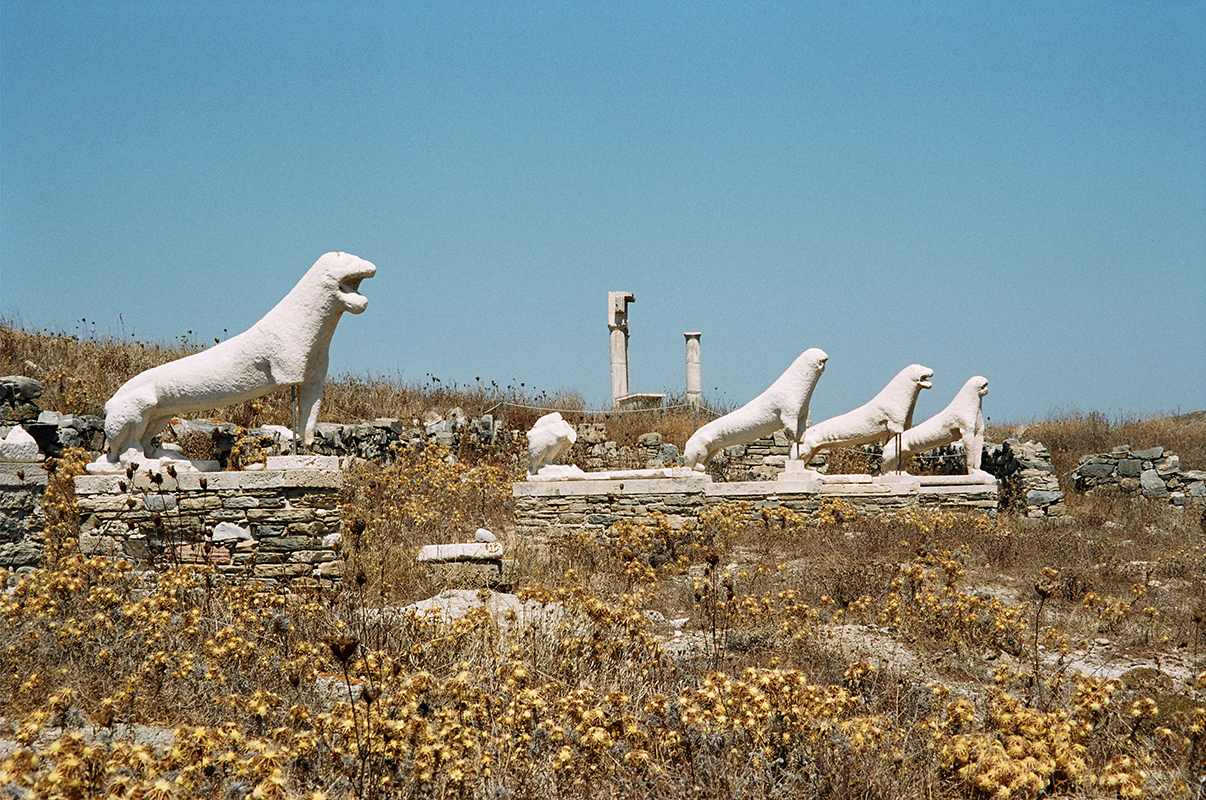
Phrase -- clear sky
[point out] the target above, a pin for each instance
(1011, 189)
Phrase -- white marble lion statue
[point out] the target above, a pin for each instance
(784, 405)
(287, 347)
(961, 421)
(888, 413)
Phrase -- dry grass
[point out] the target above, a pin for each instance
(916, 655)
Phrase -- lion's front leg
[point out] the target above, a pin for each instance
(310, 399)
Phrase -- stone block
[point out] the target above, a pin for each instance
(469, 551)
(102, 503)
(287, 543)
(92, 544)
(280, 516)
(303, 462)
(280, 570)
(20, 554)
(1130, 468)
(1151, 484)
(229, 532)
(1149, 454)
(1040, 497)
(200, 502)
(1168, 465)
(330, 569)
(160, 502)
(311, 556)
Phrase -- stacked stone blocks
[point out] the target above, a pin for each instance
(1150, 472)
(21, 518)
(549, 508)
(280, 524)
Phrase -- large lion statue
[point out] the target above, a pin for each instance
(287, 347)
(961, 421)
(784, 405)
(888, 413)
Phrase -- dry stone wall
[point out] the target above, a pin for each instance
(21, 519)
(281, 526)
(1151, 472)
(1029, 483)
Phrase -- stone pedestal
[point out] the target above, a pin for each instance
(549, 508)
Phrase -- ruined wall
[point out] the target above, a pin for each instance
(1151, 472)
(21, 520)
(276, 525)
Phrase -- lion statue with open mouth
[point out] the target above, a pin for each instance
(287, 347)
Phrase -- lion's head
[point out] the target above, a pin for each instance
(340, 274)
(923, 377)
(815, 356)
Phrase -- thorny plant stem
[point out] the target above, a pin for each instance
(1038, 690)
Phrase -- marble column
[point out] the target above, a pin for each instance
(617, 324)
(694, 379)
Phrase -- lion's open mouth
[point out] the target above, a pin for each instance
(349, 291)
(926, 382)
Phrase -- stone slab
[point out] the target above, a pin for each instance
(191, 481)
(31, 474)
(554, 472)
(303, 462)
(967, 489)
(782, 488)
(467, 552)
(957, 480)
(692, 485)
(775, 488)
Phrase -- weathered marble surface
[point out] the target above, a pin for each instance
(464, 552)
(302, 462)
(19, 446)
(550, 438)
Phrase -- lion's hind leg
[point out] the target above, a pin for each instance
(153, 427)
(973, 449)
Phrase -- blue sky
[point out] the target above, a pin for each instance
(1017, 190)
